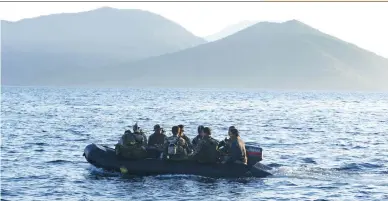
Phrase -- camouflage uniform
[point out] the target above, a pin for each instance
(132, 145)
(175, 148)
(206, 150)
(187, 139)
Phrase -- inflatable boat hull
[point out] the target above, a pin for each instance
(105, 157)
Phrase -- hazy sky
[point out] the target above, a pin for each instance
(364, 24)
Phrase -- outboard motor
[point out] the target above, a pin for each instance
(254, 153)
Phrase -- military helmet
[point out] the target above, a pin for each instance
(157, 127)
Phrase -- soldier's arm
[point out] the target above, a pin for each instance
(197, 148)
(189, 143)
(187, 146)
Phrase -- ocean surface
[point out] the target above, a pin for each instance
(321, 145)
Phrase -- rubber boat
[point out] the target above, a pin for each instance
(105, 157)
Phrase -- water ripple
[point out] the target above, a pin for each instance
(319, 145)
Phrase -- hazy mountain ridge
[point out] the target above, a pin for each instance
(115, 26)
(289, 54)
(264, 55)
(93, 38)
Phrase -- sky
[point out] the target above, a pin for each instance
(361, 23)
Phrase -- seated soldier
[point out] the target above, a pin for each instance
(132, 145)
(237, 152)
(206, 149)
(224, 145)
(156, 142)
(187, 139)
(198, 137)
(175, 147)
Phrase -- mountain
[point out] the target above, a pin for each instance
(49, 47)
(266, 55)
(232, 29)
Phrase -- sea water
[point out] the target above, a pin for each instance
(321, 145)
